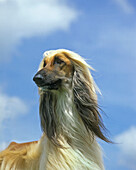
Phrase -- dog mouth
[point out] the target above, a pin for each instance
(53, 85)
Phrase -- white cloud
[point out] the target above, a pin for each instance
(125, 6)
(11, 107)
(24, 19)
(127, 145)
(3, 145)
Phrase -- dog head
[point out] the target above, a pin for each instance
(55, 71)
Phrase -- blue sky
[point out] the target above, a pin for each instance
(103, 32)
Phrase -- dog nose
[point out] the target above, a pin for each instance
(38, 79)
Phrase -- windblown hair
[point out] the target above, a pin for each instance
(70, 119)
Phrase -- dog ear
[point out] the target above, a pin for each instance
(86, 104)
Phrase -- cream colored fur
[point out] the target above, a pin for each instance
(80, 150)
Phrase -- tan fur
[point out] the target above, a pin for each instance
(79, 149)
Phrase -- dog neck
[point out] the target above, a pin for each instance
(62, 125)
(58, 113)
(60, 118)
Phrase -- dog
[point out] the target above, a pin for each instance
(69, 116)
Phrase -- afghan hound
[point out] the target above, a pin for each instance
(70, 119)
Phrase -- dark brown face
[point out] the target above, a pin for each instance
(54, 72)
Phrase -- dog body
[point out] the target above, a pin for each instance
(70, 119)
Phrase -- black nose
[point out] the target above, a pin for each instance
(38, 79)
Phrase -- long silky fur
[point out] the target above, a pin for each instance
(87, 106)
(47, 114)
(70, 121)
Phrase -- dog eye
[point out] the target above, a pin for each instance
(58, 61)
(44, 63)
